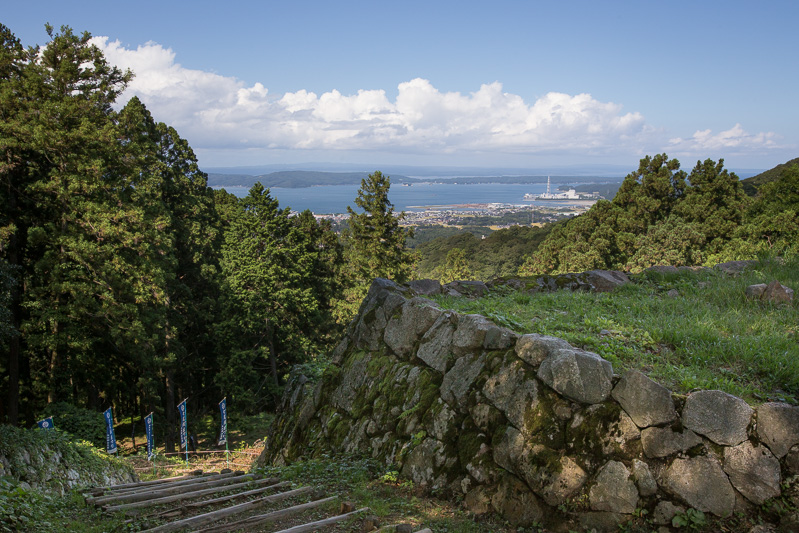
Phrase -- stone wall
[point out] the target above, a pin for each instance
(50, 462)
(529, 426)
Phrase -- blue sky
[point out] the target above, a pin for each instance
(506, 83)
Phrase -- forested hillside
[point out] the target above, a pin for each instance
(466, 255)
(126, 282)
(753, 184)
(664, 215)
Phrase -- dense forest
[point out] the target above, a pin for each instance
(126, 282)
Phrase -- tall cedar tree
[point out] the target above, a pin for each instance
(180, 214)
(375, 243)
(13, 206)
(110, 237)
(68, 232)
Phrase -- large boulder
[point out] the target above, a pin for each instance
(606, 280)
(644, 480)
(719, 416)
(551, 475)
(533, 348)
(735, 267)
(579, 375)
(435, 347)
(648, 403)
(777, 293)
(383, 298)
(471, 289)
(662, 442)
(516, 503)
(614, 490)
(475, 333)
(513, 392)
(701, 483)
(425, 287)
(458, 381)
(404, 331)
(754, 471)
(778, 426)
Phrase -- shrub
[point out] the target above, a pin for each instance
(83, 423)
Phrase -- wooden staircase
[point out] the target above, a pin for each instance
(227, 501)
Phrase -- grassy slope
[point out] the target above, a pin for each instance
(709, 336)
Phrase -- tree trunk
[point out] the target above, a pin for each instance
(170, 412)
(272, 356)
(51, 368)
(12, 407)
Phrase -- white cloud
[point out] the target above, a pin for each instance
(732, 141)
(218, 112)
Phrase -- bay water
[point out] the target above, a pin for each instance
(335, 198)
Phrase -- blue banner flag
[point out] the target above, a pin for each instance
(223, 430)
(183, 440)
(47, 423)
(110, 439)
(148, 430)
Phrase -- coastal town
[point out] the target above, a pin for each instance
(500, 215)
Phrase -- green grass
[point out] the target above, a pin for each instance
(710, 336)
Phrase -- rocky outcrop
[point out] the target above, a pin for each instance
(529, 426)
(593, 280)
(773, 292)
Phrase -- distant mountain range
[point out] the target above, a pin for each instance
(428, 171)
(293, 179)
(305, 178)
(289, 176)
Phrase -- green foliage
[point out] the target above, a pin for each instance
(8, 285)
(693, 519)
(41, 446)
(500, 254)
(30, 510)
(456, 267)
(280, 278)
(772, 222)
(349, 471)
(111, 231)
(126, 276)
(752, 185)
(660, 215)
(374, 244)
(84, 424)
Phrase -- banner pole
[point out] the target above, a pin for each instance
(223, 433)
(184, 428)
(186, 408)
